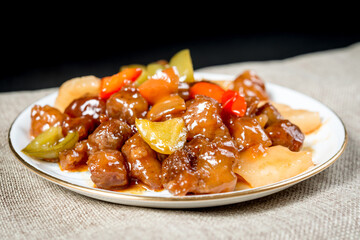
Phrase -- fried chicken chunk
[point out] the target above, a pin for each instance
(202, 118)
(111, 134)
(202, 167)
(127, 105)
(108, 169)
(44, 117)
(143, 162)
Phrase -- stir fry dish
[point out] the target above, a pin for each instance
(158, 127)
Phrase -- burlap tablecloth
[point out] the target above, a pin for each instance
(326, 206)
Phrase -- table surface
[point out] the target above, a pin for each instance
(325, 206)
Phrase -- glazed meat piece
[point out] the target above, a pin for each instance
(201, 167)
(262, 120)
(215, 163)
(143, 162)
(271, 112)
(252, 103)
(247, 132)
(72, 158)
(111, 134)
(250, 84)
(202, 118)
(178, 174)
(108, 169)
(127, 105)
(286, 134)
(194, 146)
(93, 107)
(44, 117)
(85, 125)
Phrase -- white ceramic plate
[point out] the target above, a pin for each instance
(327, 143)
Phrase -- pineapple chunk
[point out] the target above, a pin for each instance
(306, 120)
(259, 166)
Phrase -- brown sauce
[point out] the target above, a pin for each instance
(134, 188)
(79, 168)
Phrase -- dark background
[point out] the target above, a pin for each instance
(43, 50)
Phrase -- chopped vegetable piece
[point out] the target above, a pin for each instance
(167, 107)
(239, 106)
(228, 99)
(45, 139)
(306, 120)
(163, 62)
(160, 85)
(163, 137)
(263, 166)
(112, 84)
(132, 66)
(75, 88)
(152, 68)
(143, 76)
(182, 61)
(234, 103)
(207, 89)
(47, 150)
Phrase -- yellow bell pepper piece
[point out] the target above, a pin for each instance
(163, 137)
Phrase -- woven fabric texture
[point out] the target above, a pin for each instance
(326, 206)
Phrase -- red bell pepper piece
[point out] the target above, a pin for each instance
(231, 101)
(208, 89)
(112, 84)
(228, 99)
(239, 106)
(234, 103)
